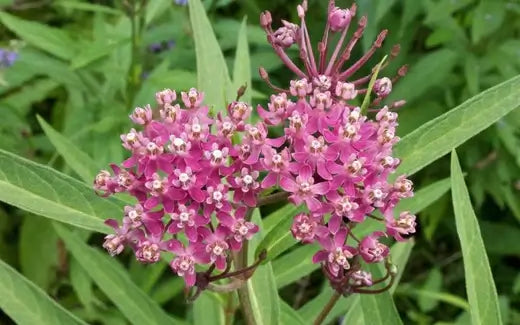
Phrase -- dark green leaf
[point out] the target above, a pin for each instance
(242, 67)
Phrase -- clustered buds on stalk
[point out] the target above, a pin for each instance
(192, 184)
(336, 159)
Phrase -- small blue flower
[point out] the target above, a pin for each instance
(7, 58)
(181, 2)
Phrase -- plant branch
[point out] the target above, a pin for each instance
(327, 308)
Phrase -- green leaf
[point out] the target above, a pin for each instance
(433, 284)
(41, 190)
(279, 238)
(212, 72)
(95, 51)
(27, 304)
(428, 72)
(289, 316)
(38, 251)
(371, 83)
(52, 40)
(262, 295)
(82, 285)
(482, 294)
(242, 67)
(88, 7)
(167, 290)
(294, 265)
(207, 309)
(487, 18)
(114, 281)
(508, 243)
(435, 296)
(439, 136)
(76, 159)
(380, 308)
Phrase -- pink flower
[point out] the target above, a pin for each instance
(277, 164)
(404, 225)
(335, 254)
(371, 250)
(304, 227)
(193, 98)
(187, 219)
(186, 258)
(217, 246)
(165, 97)
(239, 227)
(304, 189)
(142, 115)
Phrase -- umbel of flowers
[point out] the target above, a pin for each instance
(195, 184)
(336, 159)
(192, 184)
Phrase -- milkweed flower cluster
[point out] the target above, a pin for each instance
(336, 159)
(190, 181)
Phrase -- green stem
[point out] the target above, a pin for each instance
(137, 22)
(240, 260)
(327, 308)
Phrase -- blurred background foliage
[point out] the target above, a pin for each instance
(74, 68)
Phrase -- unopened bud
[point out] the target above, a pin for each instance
(339, 19)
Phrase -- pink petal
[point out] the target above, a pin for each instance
(306, 172)
(189, 279)
(288, 184)
(320, 256)
(197, 194)
(269, 180)
(339, 237)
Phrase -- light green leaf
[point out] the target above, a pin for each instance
(371, 83)
(380, 308)
(114, 281)
(289, 316)
(279, 238)
(242, 67)
(76, 159)
(52, 40)
(294, 265)
(167, 290)
(435, 296)
(261, 287)
(212, 72)
(480, 288)
(207, 309)
(38, 251)
(155, 8)
(88, 7)
(487, 18)
(27, 304)
(41, 190)
(82, 285)
(439, 136)
(433, 284)
(95, 51)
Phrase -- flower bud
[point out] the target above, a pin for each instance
(383, 87)
(285, 36)
(339, 19)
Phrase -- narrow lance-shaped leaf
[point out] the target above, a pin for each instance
(114, 281)
(207, 309)
(439, 136)
(481, 290)
(41, 190)
(27, 304)
(379, 309)
(261, 287)
(76, 159)
(242, 67)
(51, 40)
(212, 72)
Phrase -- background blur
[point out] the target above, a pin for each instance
(75, 73)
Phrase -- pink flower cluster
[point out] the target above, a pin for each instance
(192, 184)
(336, 160)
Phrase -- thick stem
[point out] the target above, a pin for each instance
(327, 308)
(240, 260)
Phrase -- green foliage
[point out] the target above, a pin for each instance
(27, 304)
(68, 96)
(482, 294)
